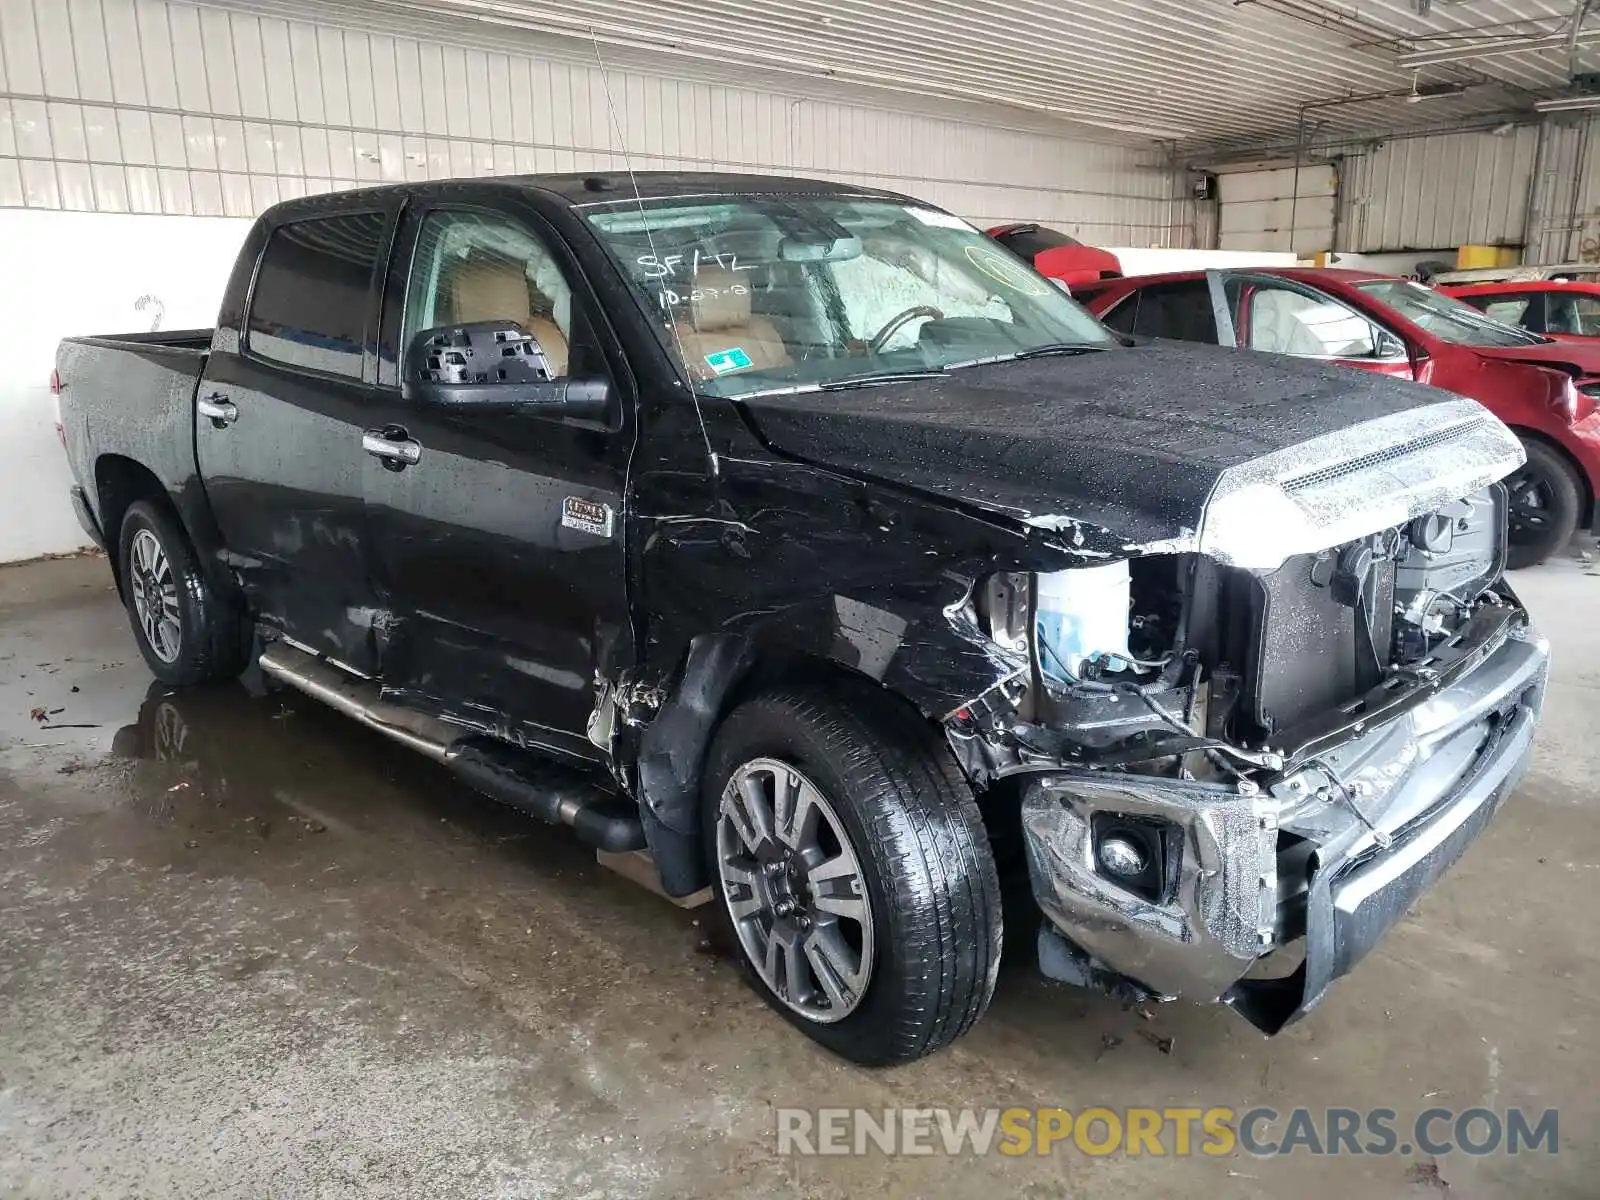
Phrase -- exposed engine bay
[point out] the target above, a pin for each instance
(1233, 780)
(1171, 664)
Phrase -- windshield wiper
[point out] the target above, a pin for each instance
(873, 378)
(1059, 348)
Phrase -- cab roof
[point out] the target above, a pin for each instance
(592, 188)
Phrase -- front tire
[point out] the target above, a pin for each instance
(186, 633)
(1546, 499)
(849, 854)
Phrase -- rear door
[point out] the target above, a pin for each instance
(281, 411)
(1181, 310)
(498, 539)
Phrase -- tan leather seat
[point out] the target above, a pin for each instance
(492, 289)
(719, 320)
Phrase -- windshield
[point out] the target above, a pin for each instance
(787, 293)
(1444, 316)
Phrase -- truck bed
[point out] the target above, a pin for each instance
(170, 339)
(129, 399)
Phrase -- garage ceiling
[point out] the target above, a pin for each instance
(1218, 74)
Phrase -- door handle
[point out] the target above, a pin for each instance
(221, 411)
(393, 447)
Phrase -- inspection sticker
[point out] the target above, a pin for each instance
(587, 516)
(732, 359)
(939, 220)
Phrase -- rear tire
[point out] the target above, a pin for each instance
(1546, 499)
(896, 827)
(186, 633)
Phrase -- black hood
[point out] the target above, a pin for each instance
(1130, 439)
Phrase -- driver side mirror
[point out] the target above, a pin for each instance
(494, 367)
(1388, 346)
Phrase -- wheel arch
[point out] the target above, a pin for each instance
(719, 672)
(119, 483)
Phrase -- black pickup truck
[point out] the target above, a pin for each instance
(800, 537)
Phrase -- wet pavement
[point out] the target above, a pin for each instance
(249, 948)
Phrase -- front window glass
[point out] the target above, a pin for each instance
(1444, 316)
(1285, 321)
(472, 266)
(783, 293)
(1574, 313)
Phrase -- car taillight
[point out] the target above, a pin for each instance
(55, 390)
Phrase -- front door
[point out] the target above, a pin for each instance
(497, 539)
(278, 429)
(1282, 317)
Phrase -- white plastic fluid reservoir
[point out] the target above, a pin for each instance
(1083, 614)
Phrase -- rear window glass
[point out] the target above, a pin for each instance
(1180, 311)
(313, 292)
(1026, 241)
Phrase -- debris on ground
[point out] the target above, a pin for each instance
(38, 714)
(1108, 1041)
(1428, 1175)
(1160, 1042)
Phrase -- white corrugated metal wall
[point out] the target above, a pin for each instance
(1566, 198)
(1445, 190)
(1521, 185)
(160, 107)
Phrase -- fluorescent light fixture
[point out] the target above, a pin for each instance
(1490, 47)
(1567, 103)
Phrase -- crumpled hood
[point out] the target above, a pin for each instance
(1129, 439)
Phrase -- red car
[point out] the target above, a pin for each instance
(1544, 389)
(1561, 308)
(1057, 256)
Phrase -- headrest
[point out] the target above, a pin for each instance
(721, 299)
(490, 289)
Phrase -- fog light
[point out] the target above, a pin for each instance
(1139, 854)
(1122, 858)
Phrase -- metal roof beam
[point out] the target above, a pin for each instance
(1489, 49)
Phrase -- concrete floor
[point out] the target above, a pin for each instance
(249, 948)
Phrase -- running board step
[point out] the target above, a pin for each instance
(600, 818)
(523, 780)
(358, 698)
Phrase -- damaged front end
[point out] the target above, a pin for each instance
(1241, 758)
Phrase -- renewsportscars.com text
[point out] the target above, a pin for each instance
(1156, 1132)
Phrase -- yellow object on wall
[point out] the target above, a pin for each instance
(1473, 258)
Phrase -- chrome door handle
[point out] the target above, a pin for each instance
(396, 453)
(221, 411)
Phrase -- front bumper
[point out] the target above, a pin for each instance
(1320, 865)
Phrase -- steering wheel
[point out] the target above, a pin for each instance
(897, 322)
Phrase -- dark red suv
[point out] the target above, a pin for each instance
(1544, 389)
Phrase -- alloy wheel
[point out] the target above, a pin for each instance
(794, 890)
(1529, 512)
(155, 596)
